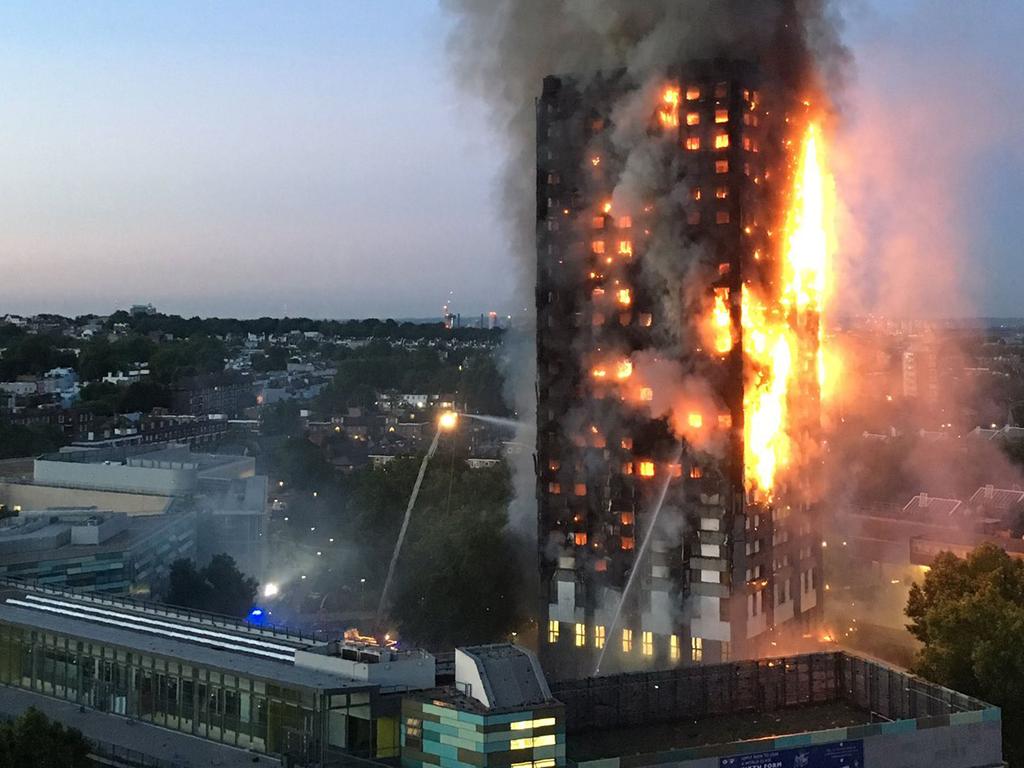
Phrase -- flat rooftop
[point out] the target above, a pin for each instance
(138, 528)
(699, 732)
(268, 657)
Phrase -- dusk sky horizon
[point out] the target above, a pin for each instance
(317, 159)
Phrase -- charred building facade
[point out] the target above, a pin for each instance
(650, 230)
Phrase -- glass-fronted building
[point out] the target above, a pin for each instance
(258, 689)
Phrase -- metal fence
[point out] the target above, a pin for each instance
(762, 685)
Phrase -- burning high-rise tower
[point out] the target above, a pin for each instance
(680, 280)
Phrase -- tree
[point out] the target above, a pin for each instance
(33, 739)
(969, 614)
(218, 588)
(460, 582)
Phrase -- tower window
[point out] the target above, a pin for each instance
(599, 636)
(647, 643)
(673, 648)
(552, 631)
(581, 635)
(693, 118)
(693, 143)
(627, 640)
(721, 116)
(696, 649)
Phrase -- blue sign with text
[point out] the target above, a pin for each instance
(845, 754)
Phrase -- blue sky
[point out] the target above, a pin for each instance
(247, 158)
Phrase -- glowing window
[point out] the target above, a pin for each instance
(599, 637)
(647, 643)
(581, 635)
(627, 468)
(721, 192)
(675, 470)
(692, 143)
(721, 166)
(544, 741)
(646, 469)
(627, 641)
(628, 544)
(693, 118)
(624, 222)
(580, 539)
(696, 473)
(525, 725)
(627, 443)
(647, 394)
(722, 141)
(646, 319)
(554, 488)
(625, 297)
(721, 116)
(746, 143)
(597, 246)
(625, 248)
(696, 193)
(725, 421)
(598, 222)
(696, 649)
(673, 648)
(692, 93)
(580, 489)
(695, 420)
(552, 631)
(722, 217)
(627, 518)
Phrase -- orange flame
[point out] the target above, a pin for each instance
(721, 322)
(669, 113)
(783, 334)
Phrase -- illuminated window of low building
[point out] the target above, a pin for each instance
(599, 636)
(552, 631)
(673, 648)
(696, 649)
(647, 643)
(627, 640)
(581, 635)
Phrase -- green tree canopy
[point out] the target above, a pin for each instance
(34, 740)
(969, 614)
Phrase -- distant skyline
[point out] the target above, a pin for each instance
(315, 159)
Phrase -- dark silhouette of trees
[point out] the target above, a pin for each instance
(218, 588)
(35, 740)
